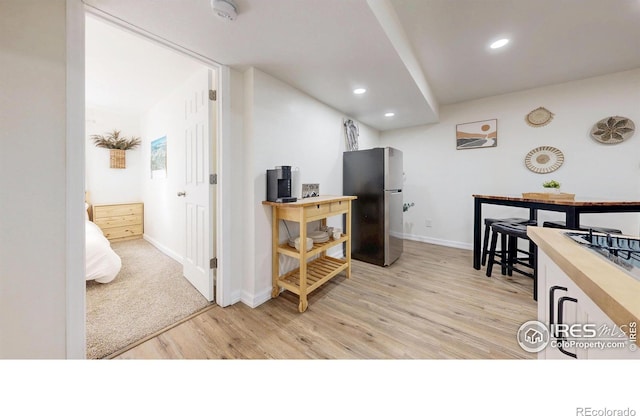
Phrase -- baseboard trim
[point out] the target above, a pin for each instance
(166, 250)
(236, 296)
(439, 242)
(254, 301)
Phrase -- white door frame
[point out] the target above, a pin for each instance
(76, 313)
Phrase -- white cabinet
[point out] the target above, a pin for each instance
(609, 333)
(572, 317)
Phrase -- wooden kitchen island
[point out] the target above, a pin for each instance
(312, 272)
(577, 286)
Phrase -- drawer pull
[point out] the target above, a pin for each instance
(552, 304)
(561, 302)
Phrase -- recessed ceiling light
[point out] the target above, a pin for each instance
(499, 43)
(389, 114)
(359, 91)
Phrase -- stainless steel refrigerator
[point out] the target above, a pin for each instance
(375, 177)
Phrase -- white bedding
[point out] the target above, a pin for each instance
(102, 263)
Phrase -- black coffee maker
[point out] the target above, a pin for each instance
(279, 184)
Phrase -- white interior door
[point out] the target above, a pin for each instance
(198, 193)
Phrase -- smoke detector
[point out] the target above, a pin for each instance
(226, 9)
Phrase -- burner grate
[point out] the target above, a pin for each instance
(622, 251)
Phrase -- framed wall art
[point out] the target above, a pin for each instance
(310, 190)
(477, 134)
(159, 158)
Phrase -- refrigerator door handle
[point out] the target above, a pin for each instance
(393, 226)
(393, 173)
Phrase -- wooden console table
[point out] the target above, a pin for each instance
(312, 273)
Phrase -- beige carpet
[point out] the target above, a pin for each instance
(148, 295)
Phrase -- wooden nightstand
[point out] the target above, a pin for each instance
(120, 222)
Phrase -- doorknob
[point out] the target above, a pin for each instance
(183, 193)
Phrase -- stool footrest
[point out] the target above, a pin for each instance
(509, 257)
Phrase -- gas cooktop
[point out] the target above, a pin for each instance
(624, 252)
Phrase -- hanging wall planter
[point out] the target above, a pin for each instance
(117, 147)
(117, 159)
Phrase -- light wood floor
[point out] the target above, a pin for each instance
(430, 304)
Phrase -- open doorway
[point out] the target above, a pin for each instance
(144, 90)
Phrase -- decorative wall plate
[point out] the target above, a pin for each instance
(539, 117)
(544, 159)
(613, 130)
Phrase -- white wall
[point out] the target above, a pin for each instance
(440, 179)
(284, 126)
(38, 179)
(107, 185)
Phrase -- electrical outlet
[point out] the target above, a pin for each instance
(427, 223)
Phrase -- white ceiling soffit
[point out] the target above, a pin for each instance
(325, 48)
(388, 19)
(551, 42)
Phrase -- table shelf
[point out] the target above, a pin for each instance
(312, 272)
(318, 272)
(318, 248)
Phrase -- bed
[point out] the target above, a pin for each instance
(102, 264)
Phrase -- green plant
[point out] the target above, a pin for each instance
(112, 140)
(551, 184)
(406, 206)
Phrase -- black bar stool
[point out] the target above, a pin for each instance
(487, 232)
(562, 224)
(511, 259)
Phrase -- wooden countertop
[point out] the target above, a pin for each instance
(326, 199)
(608, 286)
(577, 202)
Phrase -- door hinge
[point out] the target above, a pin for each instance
(213, 179)
(213, 263)
(213, 95)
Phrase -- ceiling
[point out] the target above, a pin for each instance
(412, 56)
(127, 73)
